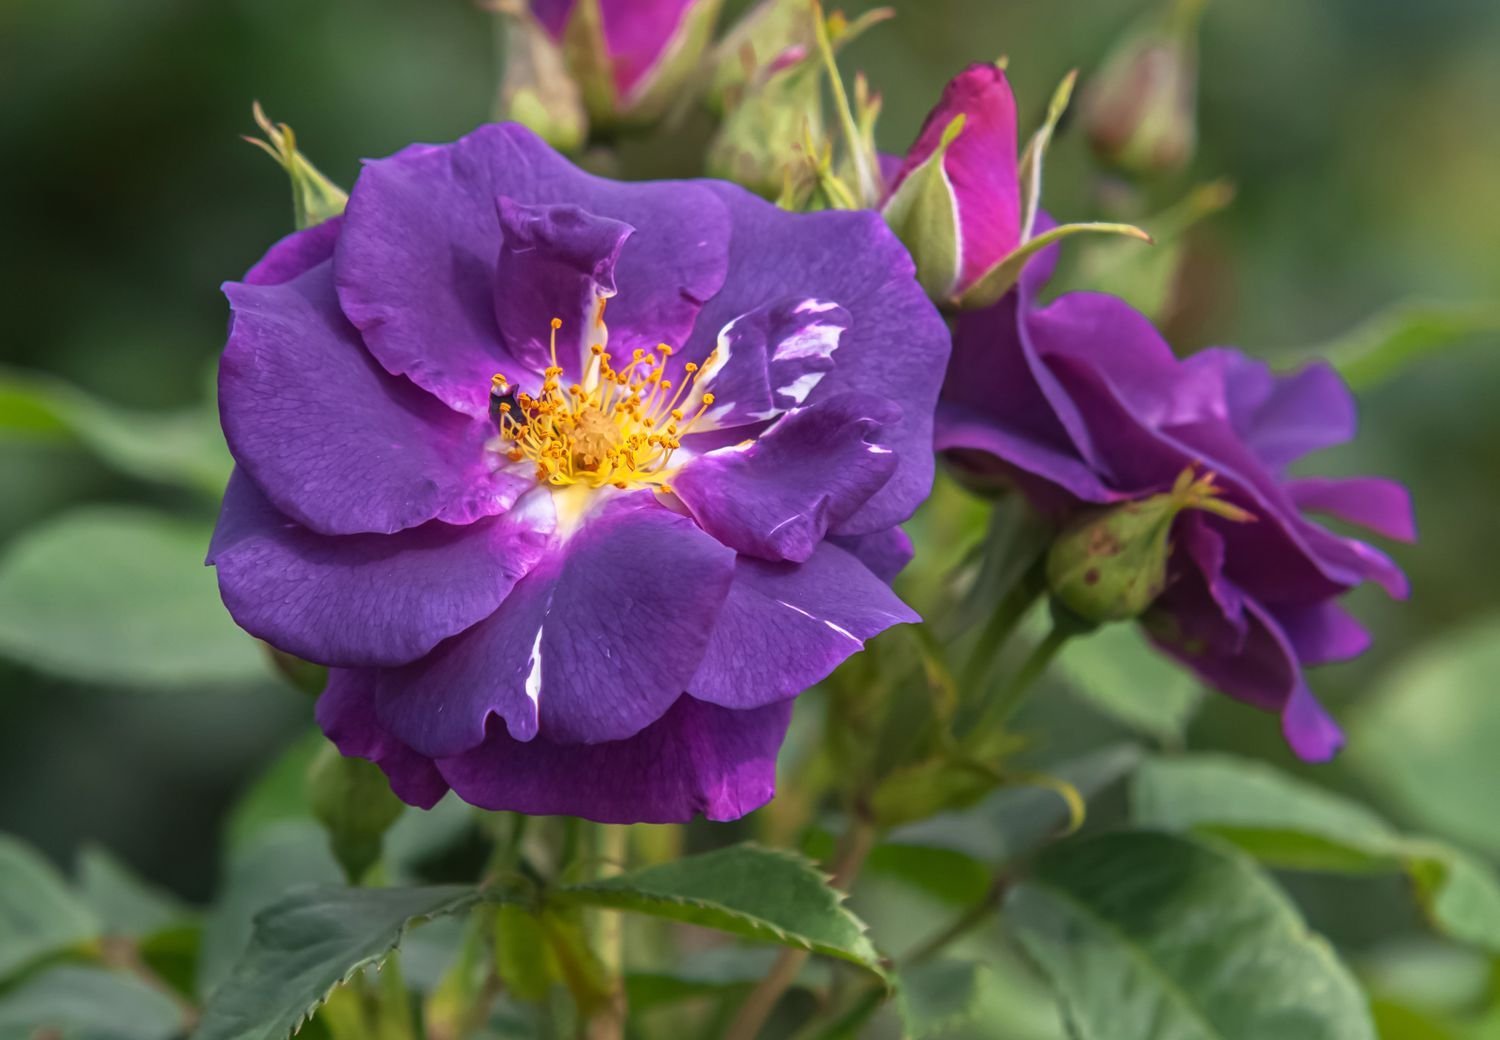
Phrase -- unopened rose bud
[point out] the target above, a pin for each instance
(352, 799)
(315, 198)
(1111, 564)
(765, 135)
(535, 88)
(767, 32)
(630, 58)
(1140, 111)
(955, 201)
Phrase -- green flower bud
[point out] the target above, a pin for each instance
(1141, 109)
(535, 89)
(763, 138)
(769, 30)
(354, 802)
(1111, 564)
(315, 198)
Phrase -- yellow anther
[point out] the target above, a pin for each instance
(556, 324)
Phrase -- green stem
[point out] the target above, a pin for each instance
(961, 925)
(998, 710)
(1002, 623)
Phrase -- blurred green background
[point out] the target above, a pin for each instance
(1363, 136)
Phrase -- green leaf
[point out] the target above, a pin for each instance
(125, 904)
(923, 212)
(1385, 344)
(938, 996)
(998, 280)
(86, 1003)
(1117, 671)
(277, 794)
(1016, 819)
(282, 858)
(120, 596)
(717, 971)
(1147, 936)
(39, 915)
(181, 447)
(307, 944)
(746, 890)
(1287, 823)
(1425, 736)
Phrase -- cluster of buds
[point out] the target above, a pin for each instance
(578, 67)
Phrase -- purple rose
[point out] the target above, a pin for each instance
(553, 562)
(1082, 403)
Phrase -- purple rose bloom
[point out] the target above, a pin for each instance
(1082, 403)
(559, 566)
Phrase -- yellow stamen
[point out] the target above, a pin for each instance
(617, 427)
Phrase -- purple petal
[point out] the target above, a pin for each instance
(636, 35)
(1321, 633)
(786, 626)
(361, 599)
(1261, 669)
(895, 347)
(980, 165)
(1282, 418)
(1309, 730)
(553, 14)
(346, 711)
(777, 496)
(594, 644)
(696, 759)
(557, 261)
(296, 254)
(416, 261)
(1383, 506)
(333, 441)
(769, 360)
(886, 553)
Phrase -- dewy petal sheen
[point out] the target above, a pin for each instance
(575, 484)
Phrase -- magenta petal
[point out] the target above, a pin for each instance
(786, 626)
(555, 262)
(296, 254)
(636, 35)
(553, 14)
(332, 440)
(696, 759)
(776, 497)
(593, 645)
(346, 713)
(980, 165)
(416, 262)
(360, 599)
(1383, 506)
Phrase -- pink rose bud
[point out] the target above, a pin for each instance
(631, 58)
(955, 200)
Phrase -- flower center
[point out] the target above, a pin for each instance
(615, 426)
